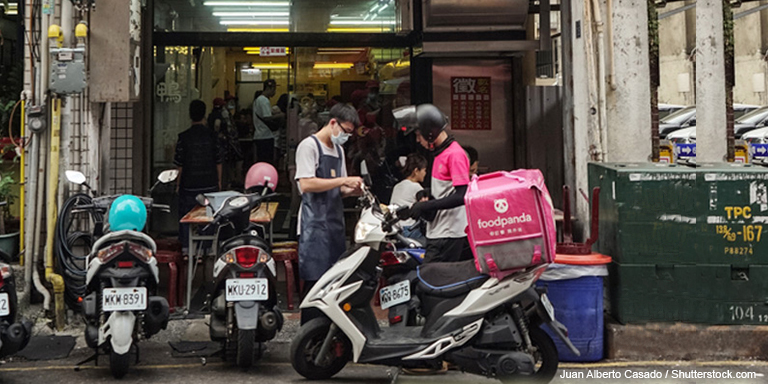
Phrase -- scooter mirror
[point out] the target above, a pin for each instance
(202, 200)
(168, 175)
(75, 177)
(364, 173)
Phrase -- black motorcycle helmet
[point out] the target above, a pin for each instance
(425, 118)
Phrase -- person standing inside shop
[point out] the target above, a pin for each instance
(322, 178)
(198, 158)
(265, 123)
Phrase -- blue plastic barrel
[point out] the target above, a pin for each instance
(578, 305)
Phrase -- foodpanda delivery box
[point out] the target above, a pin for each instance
(511, 222)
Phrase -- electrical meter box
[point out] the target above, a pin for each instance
(67, 71)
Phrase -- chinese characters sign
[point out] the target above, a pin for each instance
(471, 103)
(272, 51)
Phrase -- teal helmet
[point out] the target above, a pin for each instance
(127, 213)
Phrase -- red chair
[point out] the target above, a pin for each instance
(288, 256)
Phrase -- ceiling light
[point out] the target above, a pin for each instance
(247, 3)
(251, 14)
(362, 22)
(374, 16)
(254, 22)
(360, 30)
(258, 30)
(270, 66)
(383, 8)
(333, 65)
(375, 7)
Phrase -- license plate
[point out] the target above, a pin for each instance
(247, 289)
(548, 306)
(5, 306)
(395, 294)
(124, 299)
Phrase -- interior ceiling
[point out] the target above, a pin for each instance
(305, 15)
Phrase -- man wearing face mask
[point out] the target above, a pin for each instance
(321, 175)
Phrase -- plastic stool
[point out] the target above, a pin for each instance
(176, 278)
(287, 256)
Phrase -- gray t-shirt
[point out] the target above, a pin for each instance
(307, 160)
(261, 109)
(404, 194)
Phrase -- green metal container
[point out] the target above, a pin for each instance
(734, 216)
(705, 294)
(648, 212)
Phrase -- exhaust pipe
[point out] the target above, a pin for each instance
(268, 321)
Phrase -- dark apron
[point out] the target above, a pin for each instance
(322, 239)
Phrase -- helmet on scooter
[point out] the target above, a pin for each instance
(127, 213)
(261, 175)
(425, 118)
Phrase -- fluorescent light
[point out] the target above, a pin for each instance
(362, 22)
(254, 22)
(333, 65)
(374, 16)
(360, 30)
(269, 66)
(247, 3)
(258, 30)
(375, 7)
(383, 8)
(253, 14)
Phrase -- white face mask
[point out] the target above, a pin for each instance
(341, 138)
(225, 114)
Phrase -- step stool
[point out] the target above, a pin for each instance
(176, 276)
(288, 256)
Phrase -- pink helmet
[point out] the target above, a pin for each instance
(261, 175)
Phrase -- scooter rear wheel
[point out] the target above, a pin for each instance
(118, 364)
(546, 356)
(245, 347)
(307, 344)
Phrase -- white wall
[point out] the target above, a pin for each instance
(750, 55)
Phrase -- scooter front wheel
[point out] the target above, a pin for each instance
(118, 364)
(307, 344)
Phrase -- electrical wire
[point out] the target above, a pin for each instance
(72, 266)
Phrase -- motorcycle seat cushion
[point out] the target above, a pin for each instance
(449, 279)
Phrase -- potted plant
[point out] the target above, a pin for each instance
(9, 226)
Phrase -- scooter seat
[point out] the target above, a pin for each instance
(449, 279)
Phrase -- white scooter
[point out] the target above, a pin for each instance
(121, 303)
(483, 325)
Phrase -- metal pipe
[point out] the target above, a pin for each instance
(609, 54)
(598, 21)
(38, 193)
(676, 11)
(23, 183)
(749, 11)
(53, 180)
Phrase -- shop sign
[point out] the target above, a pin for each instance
(168, 92)
(272, 51)
(471, 103)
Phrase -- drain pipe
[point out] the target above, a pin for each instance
(38, 217)
(53, 182)
(598, 22)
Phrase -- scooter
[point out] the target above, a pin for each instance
(244, 312)
(483, 325)
(14, 335)
(121, 304)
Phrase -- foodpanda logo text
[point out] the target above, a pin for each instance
(504, 221)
